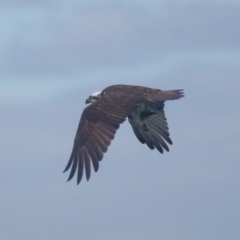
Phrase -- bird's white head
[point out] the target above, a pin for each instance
(94, 97)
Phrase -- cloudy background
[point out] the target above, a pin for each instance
(53, 54)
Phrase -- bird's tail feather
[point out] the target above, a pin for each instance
(167, 95)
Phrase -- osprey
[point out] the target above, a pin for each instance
(144, 108)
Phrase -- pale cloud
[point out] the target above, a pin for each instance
(90, 37)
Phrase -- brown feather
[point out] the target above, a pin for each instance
(100, 142)
(93, 156)
(80, 168)
(87, 163)
(74, 167)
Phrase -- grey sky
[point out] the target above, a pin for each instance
(53, 54)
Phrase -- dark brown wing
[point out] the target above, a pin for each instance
(98, 125)
(149, 122)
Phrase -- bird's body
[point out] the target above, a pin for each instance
(99, 122)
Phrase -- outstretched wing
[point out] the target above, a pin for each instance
(149, 122)
(98, 125)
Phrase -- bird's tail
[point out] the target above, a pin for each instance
(172, 94)
(160, 96)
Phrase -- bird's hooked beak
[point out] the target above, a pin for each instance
(87, 101)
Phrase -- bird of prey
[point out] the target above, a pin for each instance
(144, 108)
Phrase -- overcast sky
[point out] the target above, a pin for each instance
(54, 54)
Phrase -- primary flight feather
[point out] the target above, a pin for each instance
(99, 122)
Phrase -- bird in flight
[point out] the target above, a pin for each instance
(107, 109)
